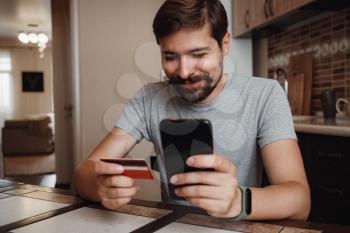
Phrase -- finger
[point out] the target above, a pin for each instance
(113, 193)
(208, 178)
(218, 162)
(114, 203)
(213, 207)
(206, 191)
(118, 181)
(103, 168)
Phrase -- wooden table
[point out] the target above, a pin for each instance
(30, 208)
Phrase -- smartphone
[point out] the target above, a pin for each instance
(182, 138)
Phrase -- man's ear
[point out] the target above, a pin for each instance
(226, 43)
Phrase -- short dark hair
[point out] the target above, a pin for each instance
(175, 15)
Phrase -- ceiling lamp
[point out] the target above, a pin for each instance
(40, 39)
(23, 37)
(33, 38)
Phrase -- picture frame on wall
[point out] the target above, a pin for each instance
(32, 81)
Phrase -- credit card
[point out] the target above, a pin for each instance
(134, 168)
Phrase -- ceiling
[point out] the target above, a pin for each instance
(15, 15)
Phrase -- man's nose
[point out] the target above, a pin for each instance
(185, 68)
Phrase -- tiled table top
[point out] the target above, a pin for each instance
(2, 195)
(242, 226)
(22, 207)
(17, 208)
(19, 191)
(88, 220)
(176, 227)
(5, 183)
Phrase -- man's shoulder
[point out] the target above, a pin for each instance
(155, 90)
(253, 83)
(152, 88)
(254, 80)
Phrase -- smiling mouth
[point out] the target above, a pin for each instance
(191, 85)
(177, 80)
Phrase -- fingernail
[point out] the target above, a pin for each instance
(189, 161)
(173, 179)
(118, 169)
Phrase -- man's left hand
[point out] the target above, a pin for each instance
(215, 191)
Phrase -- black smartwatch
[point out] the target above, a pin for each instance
(246, 203)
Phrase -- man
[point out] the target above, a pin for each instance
(245, 112)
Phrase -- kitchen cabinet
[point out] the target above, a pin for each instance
(297, 3)
(248, 14)
(278, 8)
(252, 14)
(242, 19)
(259, 12)
(327, 160)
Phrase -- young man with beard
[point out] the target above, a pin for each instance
(246, 113)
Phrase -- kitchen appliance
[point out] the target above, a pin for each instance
(346, 103)
(328, 101)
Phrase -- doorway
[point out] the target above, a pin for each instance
(27, 116)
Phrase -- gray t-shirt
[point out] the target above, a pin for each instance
(249, 113)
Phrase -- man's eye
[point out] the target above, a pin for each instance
(170, 57)
(198, 55)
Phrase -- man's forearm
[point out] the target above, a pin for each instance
(85, 180)
(115, 145)
(288, 200)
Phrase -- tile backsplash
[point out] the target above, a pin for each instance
(328, 39)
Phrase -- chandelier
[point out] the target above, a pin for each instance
(40, 39)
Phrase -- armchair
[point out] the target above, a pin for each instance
(28, 146)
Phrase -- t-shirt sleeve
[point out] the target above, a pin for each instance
(275, 120)
(133, 117)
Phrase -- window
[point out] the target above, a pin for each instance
(5, 76)
(6, 88)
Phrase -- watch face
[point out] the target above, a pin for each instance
(248, 201)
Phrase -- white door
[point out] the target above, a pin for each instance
(65, 92)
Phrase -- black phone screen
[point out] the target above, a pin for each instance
(181, 139)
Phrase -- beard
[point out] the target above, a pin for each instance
(198, 93)
(195, 94)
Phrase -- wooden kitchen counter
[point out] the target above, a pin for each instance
(319, 125)
(29, 208)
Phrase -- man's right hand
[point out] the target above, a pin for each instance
(113, 189)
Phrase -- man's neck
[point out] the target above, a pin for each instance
(216, 92)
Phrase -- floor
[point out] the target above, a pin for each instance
(47, 180)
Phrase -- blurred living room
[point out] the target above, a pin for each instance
(26, 92)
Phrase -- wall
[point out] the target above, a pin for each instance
(117, 55)
(260, 58)
(328, 38)
(239, 59)
(26, 58)
(27, 103)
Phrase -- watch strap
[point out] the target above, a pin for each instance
(244, 199)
